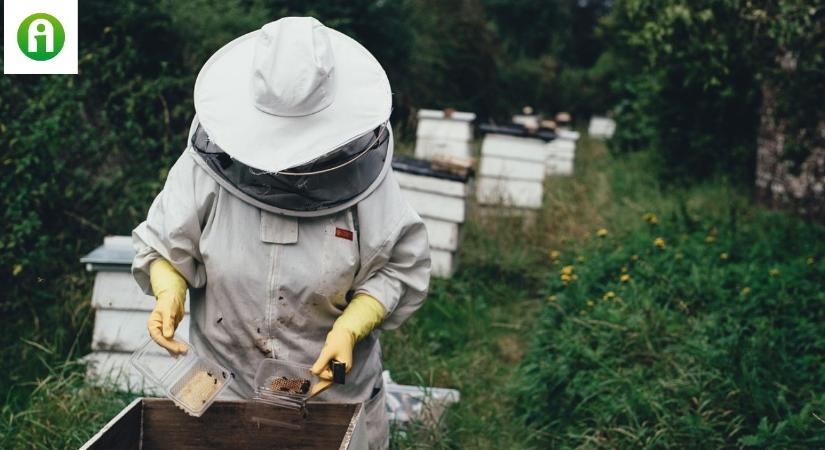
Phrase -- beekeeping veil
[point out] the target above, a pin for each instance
(293, 118)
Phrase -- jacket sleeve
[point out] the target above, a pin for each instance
(173, 226)
(397, 273)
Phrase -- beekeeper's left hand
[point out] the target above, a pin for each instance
(360, 317)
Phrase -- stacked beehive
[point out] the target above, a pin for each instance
(121, 310)
(561, 153)
(444, 133)
(511, 171)
(440, 198)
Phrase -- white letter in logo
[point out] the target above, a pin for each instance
(41, 27)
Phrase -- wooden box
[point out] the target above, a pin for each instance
(157, 424)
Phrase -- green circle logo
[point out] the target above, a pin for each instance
(41, 37)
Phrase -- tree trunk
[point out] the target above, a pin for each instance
(777, 184)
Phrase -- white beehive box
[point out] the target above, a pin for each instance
(441, 201)
(561, 154)
(511, 171)
(121, 310)
(601, 127)
(447, 134)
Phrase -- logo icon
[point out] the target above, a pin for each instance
(41, 36)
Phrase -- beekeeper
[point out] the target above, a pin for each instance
(283, 218)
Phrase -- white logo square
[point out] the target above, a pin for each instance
(40, 36)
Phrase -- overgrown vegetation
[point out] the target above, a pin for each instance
(61, 410)
(690, 75)
(695, 325)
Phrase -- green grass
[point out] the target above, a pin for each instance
(56, 410)
(713, 338)
(683, 361)
(686, 334)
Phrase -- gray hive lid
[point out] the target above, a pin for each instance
(116, 254)
(517, 130)
(425, 168)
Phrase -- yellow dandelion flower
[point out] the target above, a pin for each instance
(634, 258)
(555, 254)
(17, 269)
(567, 270)
(650, 218)
(551, 298)
(608, 295)
(659, 242)
(565, 277)
(590, 304)
(624, 278)
(745, 291)
(723, 256)
(602, 232)
(774, 272)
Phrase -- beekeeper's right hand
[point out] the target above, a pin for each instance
(169, 288)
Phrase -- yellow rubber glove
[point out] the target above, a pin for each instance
(360, 317)
(170, 291)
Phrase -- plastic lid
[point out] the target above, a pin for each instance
(157, 364)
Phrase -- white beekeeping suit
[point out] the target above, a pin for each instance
(271, 260)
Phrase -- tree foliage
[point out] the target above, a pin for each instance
(694, 95)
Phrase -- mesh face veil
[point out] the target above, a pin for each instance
(322, 185)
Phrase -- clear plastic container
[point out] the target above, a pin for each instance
(286, 385)
(284, 380)
(189, 380)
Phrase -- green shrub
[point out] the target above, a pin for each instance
(693, 332)
(690, 91)
(82, 157)
(692, 74)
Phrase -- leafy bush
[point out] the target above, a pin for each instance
(692, 94)
(685, 333)
(696, 73)
(82, 157)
